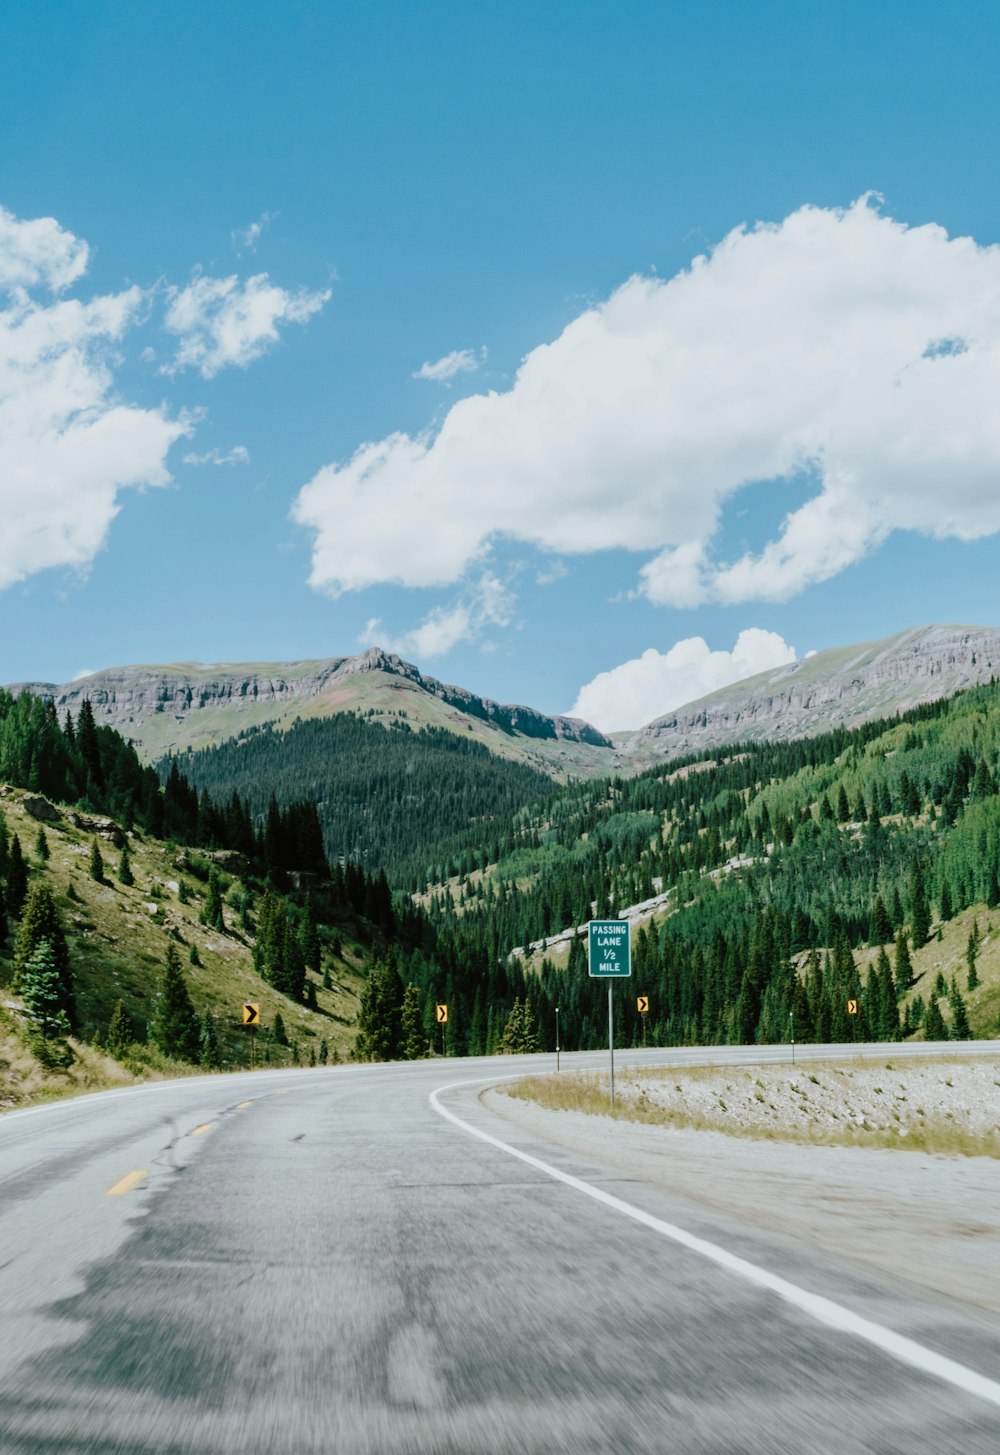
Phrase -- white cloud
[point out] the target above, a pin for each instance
(645, 688)
(838, 346)
(248, 237)
(459, 361)
(486, 602)
(223, 321)
(68, 444)
(38, 252)
(238, 455)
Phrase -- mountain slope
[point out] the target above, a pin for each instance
(840, 687)
(170, 708)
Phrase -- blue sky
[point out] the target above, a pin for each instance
(264, 221)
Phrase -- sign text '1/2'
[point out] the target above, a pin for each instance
(610, 949)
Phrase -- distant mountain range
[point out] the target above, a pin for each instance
(170, 708)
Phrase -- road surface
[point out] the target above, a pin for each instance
(356, 1260)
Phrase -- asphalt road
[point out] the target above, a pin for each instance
(323, 1261)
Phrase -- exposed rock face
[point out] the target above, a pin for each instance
(167, 707)
(41, 809)
(836, 688)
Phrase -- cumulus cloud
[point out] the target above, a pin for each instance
(238, 455)
(223, 321)
(486, 602)
(459, 361)
(39, 252)
(837, 347)
(645, 688)
(68, 444)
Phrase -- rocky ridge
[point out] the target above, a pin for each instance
(840, 687)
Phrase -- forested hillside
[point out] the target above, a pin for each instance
(784, 868)
(382, 791)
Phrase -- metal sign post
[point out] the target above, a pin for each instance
(610, 958)
(557, 1038)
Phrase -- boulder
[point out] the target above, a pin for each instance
(101, 827)
(41, 809)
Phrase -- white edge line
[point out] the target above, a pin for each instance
(823, 1310)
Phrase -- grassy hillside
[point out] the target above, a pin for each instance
(118, 939)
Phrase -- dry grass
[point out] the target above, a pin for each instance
(118, 939)
(845, 1104)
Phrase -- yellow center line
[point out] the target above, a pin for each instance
(242, 1105)
(205, 1127)
(130, 1180)
(283, 1093)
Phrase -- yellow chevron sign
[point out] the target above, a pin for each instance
(251, 1014)
(441, 1013)
(642, 1004)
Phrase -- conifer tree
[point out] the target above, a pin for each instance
(42, 845)
(125, 875)
(40, 988)
(843, 807)
(193, 957)
(3, 916)
(972, 955)
(175, 1029)
(212, 913)
(947, 911)
(934, 1026)
(379, 1014)
(960, 1028)
(96, 862)
(904, 966)
(324, 1052)
(280, 1035)
(40, 921)
(209, 1054)
(119, 1036)
(309, 945)
(880, 930)
(920, 917)
(17, 879)
(414, 1044)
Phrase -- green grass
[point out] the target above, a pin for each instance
(118, 945)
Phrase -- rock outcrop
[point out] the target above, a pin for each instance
(835, 688)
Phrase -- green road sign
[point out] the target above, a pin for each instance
(610, 949)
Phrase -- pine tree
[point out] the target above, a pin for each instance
(193, 957)
(904, 966)
(920, 916)
(96, 862)
(880, 930)
(212, 913)
(934, 1026)
(309, 945)
(327, 982)
(209, 1054)
(175, 1027)
(960, 1028)
(125, 875)
(280, 1035)
(379, 1014)
(947, 911)
(119, 1036)
(183, 893)
(17, 879)
(972, 955)
(414, 1043)
(40, 921)
(40, 988)
(324, 1052)
(843, 807)
(42, 845)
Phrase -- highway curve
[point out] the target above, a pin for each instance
(334, 1261)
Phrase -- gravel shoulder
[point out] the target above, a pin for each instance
(931, 1218)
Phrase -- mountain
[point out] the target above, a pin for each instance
(171, 708)
(841, 687)
(165, 709)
